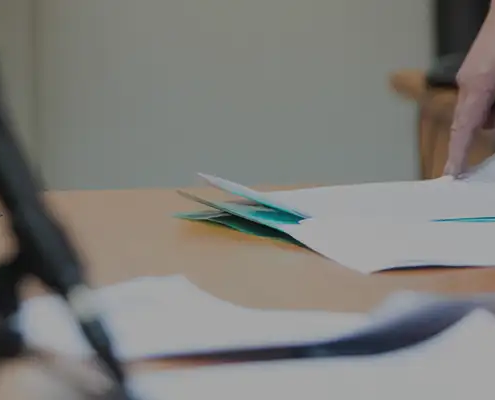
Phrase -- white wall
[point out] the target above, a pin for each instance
(17, 68)
(147, 92)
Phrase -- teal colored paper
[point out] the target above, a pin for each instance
(466, 219)
(238, 224)
(204, 215)
(255, 213)
(249, 194)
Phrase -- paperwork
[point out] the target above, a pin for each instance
(370, 245)
(455, 365)
(265, 199)
(419, 200)
(150, 317)
(377, 226)
(237, 223)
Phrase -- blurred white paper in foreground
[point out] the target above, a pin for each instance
(455, 365)
(165, 315)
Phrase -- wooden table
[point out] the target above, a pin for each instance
(126, 234)
(435, 114)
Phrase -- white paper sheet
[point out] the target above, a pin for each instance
(248, 193)
(456, 365)
(483, 172)
(377, 226)
(388, 225)
(443, 197)
(368, 245)
(425, 200)
(153, 316)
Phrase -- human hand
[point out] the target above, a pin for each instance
(476, 81)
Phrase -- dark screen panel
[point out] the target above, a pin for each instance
(457, 23)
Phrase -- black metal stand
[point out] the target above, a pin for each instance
(11, 343)
(45, 252)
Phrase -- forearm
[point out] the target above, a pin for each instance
(476, 79)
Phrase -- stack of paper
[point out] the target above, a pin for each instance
(374, 226)
(457, 364)
(156, 316)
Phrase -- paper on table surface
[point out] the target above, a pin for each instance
(250, 194)
(424, 198)
(375, 227)
(237, 223)
(443, 197)
(431, 199)
(203, 215)
(483, 172)
(373, 244)
(381, 226)
(455, 365)
(253, 212)
(167, 315)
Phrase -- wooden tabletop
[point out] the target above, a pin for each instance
(125, 234)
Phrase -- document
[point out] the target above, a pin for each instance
(443, 197)
(376, 226)
(258, 197)
(380, 226)
(457, 364)
(154, 316)
(240, 224)
(369, 245)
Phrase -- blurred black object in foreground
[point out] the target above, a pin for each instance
(45, 252)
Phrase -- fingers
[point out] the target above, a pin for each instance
(473, 107)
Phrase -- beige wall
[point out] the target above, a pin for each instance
(147, 92)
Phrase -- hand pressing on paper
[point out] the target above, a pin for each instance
(476, 81)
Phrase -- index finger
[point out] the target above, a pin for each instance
(473, 106)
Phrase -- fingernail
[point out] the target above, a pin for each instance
(452, 170)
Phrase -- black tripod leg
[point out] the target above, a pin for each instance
(11, 342)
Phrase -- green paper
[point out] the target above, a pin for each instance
(253, 219)
(238, 224)
(204, 215)
(255, 213)
(249, 194)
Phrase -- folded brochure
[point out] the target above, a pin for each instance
(250, 194)
(369, 227)
(250, 218)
